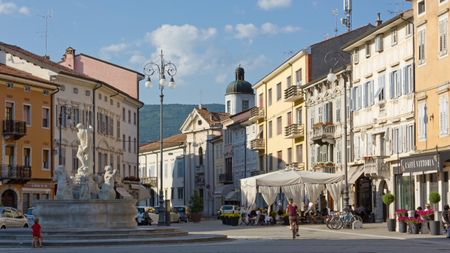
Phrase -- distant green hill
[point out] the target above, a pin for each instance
(174, 116)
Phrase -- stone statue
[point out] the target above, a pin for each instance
(85, 192)
(93, 182)
(64, 183)
(107, 191)
(84, 154)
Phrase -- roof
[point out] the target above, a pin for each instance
(216, 116)
(171, 141)
(112, 64)
(335, 71)
(239, 87)
(340, 35)
(17, 73)
(406, 14)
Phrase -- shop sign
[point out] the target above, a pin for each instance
(39, 185)
(419, 163)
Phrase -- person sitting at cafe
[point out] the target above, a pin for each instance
(311, 209)
(280, 211)
(253, 215)
(427, 208)
(419, 208)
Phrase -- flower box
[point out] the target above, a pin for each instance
(317, 124)
(328, 123)
(366, 157)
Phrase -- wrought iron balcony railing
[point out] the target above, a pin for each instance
(225, 178)
(15, 171)
(14, 128)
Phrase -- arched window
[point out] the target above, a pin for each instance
(200, 156)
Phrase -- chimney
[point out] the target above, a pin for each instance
(68, 59)
(200, 106)
(46, 57)
(378, 22)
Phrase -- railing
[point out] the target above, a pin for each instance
(14, 127)
(149, 181)
(15, 171)
(323, 131)
(199, 169)
(300, 166)
(293, 93)
(257, 144)
(372, 164)
(256, 113)
(294, 131)
(225, 178)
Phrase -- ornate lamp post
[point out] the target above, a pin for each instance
(162, 68)
(67, 109)
(333, 60)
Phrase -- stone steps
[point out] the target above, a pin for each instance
(195, 238)
(97, 236)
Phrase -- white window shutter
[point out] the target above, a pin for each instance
(446, 115)
(352, 99)
(420, 121)
(411, 78)
(372, 99)
(404, 138)
(359, 98)
(399, 82)
(364, 95)
(330, 111)
(338, 110)
(391, 85)
(441, 116)
(405, 80)
(326, 112)
(391, 141)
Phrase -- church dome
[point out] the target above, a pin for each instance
(239, 86)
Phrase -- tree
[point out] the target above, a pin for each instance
(196, 203)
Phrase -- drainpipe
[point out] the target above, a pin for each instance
(214, 177)
(184, 174)
(266, 148)
(99, 84)
(51, 130)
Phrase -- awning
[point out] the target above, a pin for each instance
(143, 193)
(222, 190)
(123, 193)
(232, 196)
(354, 173)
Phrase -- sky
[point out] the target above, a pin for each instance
(205, 39)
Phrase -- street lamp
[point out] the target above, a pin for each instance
(170, 69)
(331, 78)
(67, 109)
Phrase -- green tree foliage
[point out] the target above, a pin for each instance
(388, 199)
(434, 197)
(174, 116)
(196, 203)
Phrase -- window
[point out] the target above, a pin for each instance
(347, 107)
(172, 193)
(45, 159)
(421, 43)
(200, 156)
(46, 117)
(279, 159)
(129, 144)
(118, 129)
(244, 105)
(289, 118)
(420, 7)
(410, 138)
(288, 82)
(270, 129)
(289, 155)
(313, 154)
(422, 121)
(338, 110)
(123, 143)
(87, 93)
(356, 55)
(270, 162)
(166, 170)
(408, 30)
(443, 115)
(298, 77)
(112, 101)
(328, 112)
(75, 90)
(27, 114)
(123, 114)
(379, 43)
(299, 116)
(134, 118)
(129, 116)
(229, 107)
(396, 141)
(135, 145)
(367, 94)
(367, 49)
(270, 96)
(338, 152)
(381, 88)
(106, 98)
(408, 80)
(180, 193)
(312, 117)
(394, 38)
(63, 116)
(443, 37)
(27, 88)
(62, 87)
(395, 84)
(27, 157)
(356, 146)
(279, 126)
(118, 105)
(180, 168)
(278, 91)
(99, 96)
(299, 151)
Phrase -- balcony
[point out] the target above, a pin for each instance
(150, 182)
(199, 169)
(19, 174)
(323, 134)
(225, 178)
(375, 167)
(199, 179)
(257, 144)
(293, 93)
(14, 128)
(325, 167)
(256, 114)
(294, 131)
(300, 166)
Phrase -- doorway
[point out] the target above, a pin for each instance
(9, 198)
(384, 189)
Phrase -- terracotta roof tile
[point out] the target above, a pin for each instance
(212, 117)
(167, 142)
(17, 73)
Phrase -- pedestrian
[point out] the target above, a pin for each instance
(36, 233)
(445, 219)
(292, 210)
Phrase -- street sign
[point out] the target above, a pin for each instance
(208, 186)
(213, 195)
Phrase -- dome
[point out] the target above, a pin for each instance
(239, 70)
(239, 86)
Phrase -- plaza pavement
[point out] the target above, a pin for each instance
(278, 238)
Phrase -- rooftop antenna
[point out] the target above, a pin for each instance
(335, 14)
(397, 8)
(326, 35)
(289, 53)
(201, 94)
(46, 28)
(347, 22)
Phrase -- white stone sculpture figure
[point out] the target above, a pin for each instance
(93, 186)
(84, 154)
(64, 183)
(107, 191)
(85, 192)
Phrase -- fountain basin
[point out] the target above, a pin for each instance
(94, 213)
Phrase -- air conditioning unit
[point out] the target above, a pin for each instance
(10, 85)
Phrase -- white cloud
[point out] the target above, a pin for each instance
(24, 10)
(251, 31)
(221, 78)
(228, 28)
(137, 59)
(255, 62)
(273, 4)
(105, 52)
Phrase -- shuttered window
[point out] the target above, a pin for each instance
(356, 145)
(312, 154)
(279, 91)
(289, 118)
(320, 110)
(421, 45)
(421, 122)
(443, 37)
(279, 159)
(299, 152)
(279, 126)
(443, 115)
(338, 152)
(269, 94)
(298, 77)
(338, 110)
(312, 117)
(270, 129)
(356, 55)
(288, 82)
(289, 155)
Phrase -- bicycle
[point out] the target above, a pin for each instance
(294, 228)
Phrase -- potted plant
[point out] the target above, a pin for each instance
(329, 163)
(401, 212)
(435, 226)
(328, 123)
(317, 124)
(387, 200)
(366, 158)
(426, 216)
(414, 225)
(286, 219)
(196, 206)
(234, 219)
(317, 165)
(402, 222)
(228, 218)
(222, 217)
(274, 216)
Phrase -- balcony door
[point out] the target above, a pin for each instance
(299, 115)
(289, 118)
(9, 113)
(9, 155)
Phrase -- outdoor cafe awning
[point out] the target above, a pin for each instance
(232, 196)
(143, 193)
(123, 193)
(222, 190)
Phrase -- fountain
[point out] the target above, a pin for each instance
(79, 202)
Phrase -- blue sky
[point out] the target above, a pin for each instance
(205, 39)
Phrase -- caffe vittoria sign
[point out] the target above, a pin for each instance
(419, 163)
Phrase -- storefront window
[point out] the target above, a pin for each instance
(445, 189)
(407, 193)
